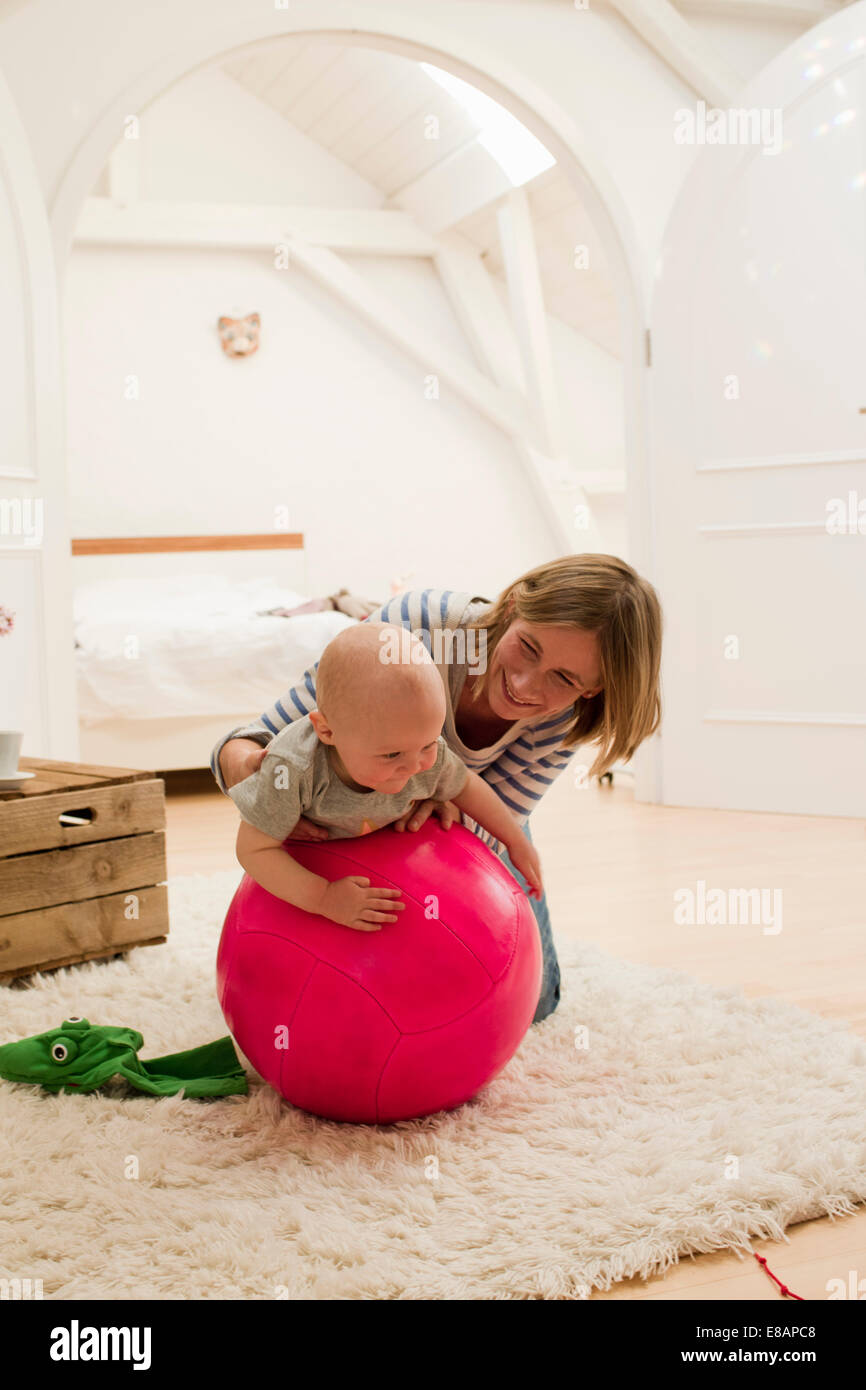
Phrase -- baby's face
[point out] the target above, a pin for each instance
(391, 748)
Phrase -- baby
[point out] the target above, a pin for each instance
(359, 762)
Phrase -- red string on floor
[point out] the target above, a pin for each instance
(783, 1288)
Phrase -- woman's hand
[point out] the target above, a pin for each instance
(309, 830)
(420, 810)
(239, 759)
(524, 857)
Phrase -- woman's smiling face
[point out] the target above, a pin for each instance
(539, 669)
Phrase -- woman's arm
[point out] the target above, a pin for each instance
(480, 802)
(238, 759)
(233, 758)
(526, 769)
(520, 776)
(517, 777)
(233, 764)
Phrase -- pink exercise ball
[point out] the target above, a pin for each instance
(388, 1025)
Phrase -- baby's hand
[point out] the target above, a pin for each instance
(353, 903)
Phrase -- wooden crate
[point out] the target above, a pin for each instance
(82, 865)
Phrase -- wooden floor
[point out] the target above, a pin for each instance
(611, 867)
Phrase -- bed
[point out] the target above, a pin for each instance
(174, 644)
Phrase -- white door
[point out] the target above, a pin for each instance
(37, 692)
(758, 445)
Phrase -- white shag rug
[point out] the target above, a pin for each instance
(694, 1120)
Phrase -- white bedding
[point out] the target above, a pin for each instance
(201, 648)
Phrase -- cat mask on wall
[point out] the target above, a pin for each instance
(239, 337)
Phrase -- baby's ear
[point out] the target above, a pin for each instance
(317, 719)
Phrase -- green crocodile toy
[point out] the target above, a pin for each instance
(80, 1056)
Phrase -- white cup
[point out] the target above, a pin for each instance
(10, 747)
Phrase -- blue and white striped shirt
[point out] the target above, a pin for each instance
(520, 766)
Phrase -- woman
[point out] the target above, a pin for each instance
(569, 653)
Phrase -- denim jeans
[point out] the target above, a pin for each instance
(549, 997)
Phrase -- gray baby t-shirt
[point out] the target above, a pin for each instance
(296, 779)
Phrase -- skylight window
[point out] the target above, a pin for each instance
(517, 152)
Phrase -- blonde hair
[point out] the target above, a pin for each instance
(603, 595)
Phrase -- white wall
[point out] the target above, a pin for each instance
(590, 384)
(744, 44)
(327, 418)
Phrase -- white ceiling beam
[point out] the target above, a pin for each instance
(808, 11)
(435, 359)
(529, 316)
(603, 482)
(555, 475)
(453, 189)
(683, 48)
(563, 500)
(365, 231)
(479, 310)
(485, 321)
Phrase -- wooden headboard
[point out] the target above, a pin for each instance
(161, 545)
(279, 554)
